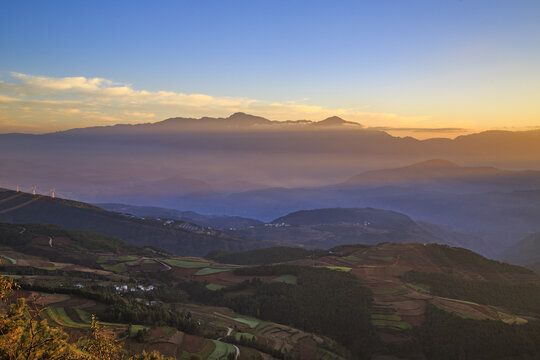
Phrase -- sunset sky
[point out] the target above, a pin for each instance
(462, 65)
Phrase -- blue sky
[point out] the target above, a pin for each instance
(443, 63)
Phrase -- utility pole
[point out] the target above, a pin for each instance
(52, 192)
(34, 189)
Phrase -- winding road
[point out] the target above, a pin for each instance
(236, 349)
(237, 352)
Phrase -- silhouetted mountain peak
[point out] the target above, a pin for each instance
(335, 120)
(434, 163)
(247, 119)
(240, 114)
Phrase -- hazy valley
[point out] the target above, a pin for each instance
(234, 267)
(269, 180)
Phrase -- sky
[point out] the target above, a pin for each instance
(459, 65)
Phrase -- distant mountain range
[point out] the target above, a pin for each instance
(237, 121)
(526, 252)
(239, 153)
(444, 173)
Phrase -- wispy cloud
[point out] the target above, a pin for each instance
(43, 104)
(7, 99)
(422, 129)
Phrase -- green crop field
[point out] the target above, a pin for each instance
(208, 271)
(515, 320)
(58, 315)
(185, 264)
(214, 287)
(221, 351)
(126, 258)
(393, 322)
(117, 268)
(249, 322)
(103, 259)
(7, 258)
(247, 336)
(460, 301)
(339, 268)
(420, 288)
(84, 315)
(12, 276)
(136, 328)
(287, 279)
(353, 258)
(262, 325)
(50, 268)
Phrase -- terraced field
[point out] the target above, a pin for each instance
(252, 323)
(185, 264)
(398, 306)
(398, 302)
(221, 350)
(59, 316)
(8, 259)
(209, 271)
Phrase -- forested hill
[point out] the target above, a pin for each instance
(369, 216)
(177, 236)
(329, 227)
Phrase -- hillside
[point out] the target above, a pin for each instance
(525, 253)
(446, 174)
(326, 228)
(399, 299)
(222, 222)
(374, 217)
(265, 256)
(177, 236)
(499, 217)
(61, 245)
(139, 295)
